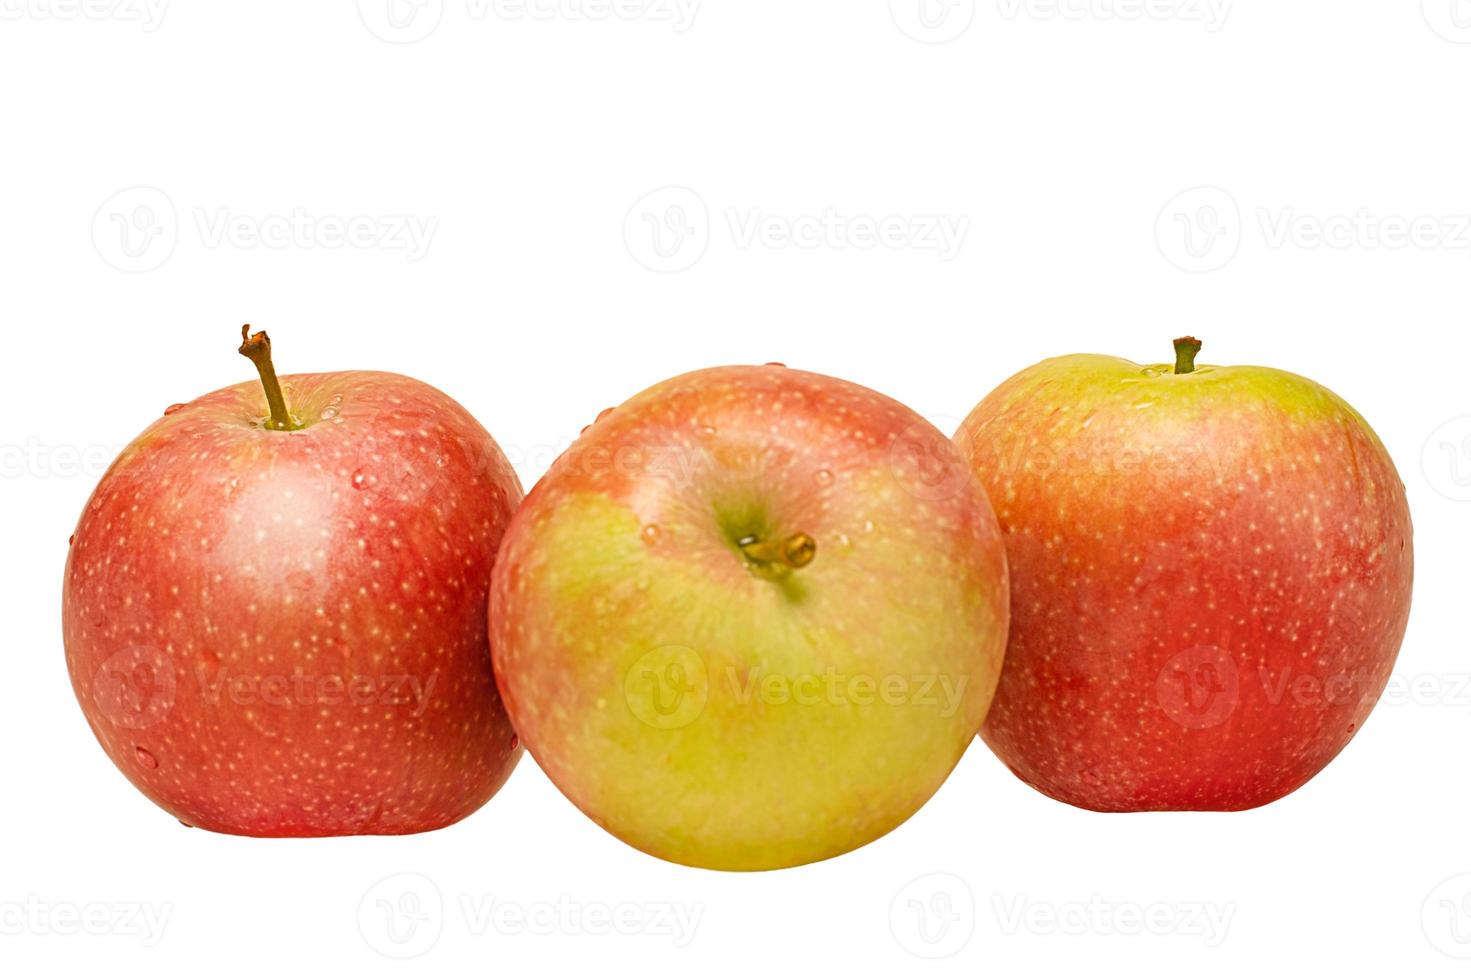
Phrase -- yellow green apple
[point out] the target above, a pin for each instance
(752, 618)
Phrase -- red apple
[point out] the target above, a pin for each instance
(752, 618)
(1211, 576)
(275, 619)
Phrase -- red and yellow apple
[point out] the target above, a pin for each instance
(274, 616)
(1210, 569)
(752, 618)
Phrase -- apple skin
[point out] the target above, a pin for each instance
(715, 717)
(1211, 578)
(282, 634)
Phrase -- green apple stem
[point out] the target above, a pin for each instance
(257, 347)
(781, 556)
(1185, 350)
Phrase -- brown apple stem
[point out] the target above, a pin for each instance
(1185, 350)
(784, 555)
(257, 347)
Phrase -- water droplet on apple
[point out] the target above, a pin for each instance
(651, 533)
(868, 527)
(706, 431)
(584, 429)
(183, 824)
(1150, 372)
(146, 759)
(1351, 728)
(1090, 776)
(602, 415)
(824, 478)
(515, 742)
(71, 540)
(173, 408)
(329, 412)
(775, 364)
(362, 480)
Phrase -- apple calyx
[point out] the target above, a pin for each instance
(1185, 350)
(773, 559)
(257, 347)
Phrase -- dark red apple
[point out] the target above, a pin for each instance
(275, 619)
(1210, 574)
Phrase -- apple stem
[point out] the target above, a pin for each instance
(257, 347)
(781, 556)
(1185, 350)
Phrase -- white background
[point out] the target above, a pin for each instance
(1069, 148)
